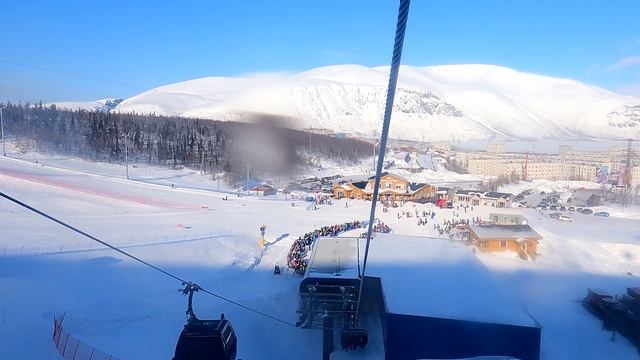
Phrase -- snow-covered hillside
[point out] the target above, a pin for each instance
(452, 102)
(100, 105)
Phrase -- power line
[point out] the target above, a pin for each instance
(154, 267)
(64, 73)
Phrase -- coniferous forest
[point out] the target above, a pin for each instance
(263, 146)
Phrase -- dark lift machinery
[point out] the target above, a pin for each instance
(330, 291)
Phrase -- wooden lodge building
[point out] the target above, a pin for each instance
(495, 237)
(392, 188)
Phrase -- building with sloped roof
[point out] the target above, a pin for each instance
(492, 237)
(264, 190)
(489, 198)
(392, 188)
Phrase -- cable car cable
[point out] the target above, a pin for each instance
(401, 25)
(64, 73)
(154, 267)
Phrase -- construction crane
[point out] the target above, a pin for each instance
(525, 168)
(627, 166)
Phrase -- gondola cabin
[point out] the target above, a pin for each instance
(207, 340)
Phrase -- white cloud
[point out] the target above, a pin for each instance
(624, 63)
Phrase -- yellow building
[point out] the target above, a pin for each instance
(521, 239)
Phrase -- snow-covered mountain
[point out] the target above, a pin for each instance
(451, 102)
(107, 104)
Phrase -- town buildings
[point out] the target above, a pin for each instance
(568, 164)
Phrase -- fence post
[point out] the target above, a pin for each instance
(75, 352)
(65, 344)
(55, 329)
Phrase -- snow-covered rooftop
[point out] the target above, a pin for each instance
(493, 231)
(438, 278)
(334, 257)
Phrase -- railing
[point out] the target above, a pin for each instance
(73, 349)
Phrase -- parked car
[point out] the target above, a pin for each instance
(601, 214)
(571, 208)
(565, 218)
(562, 208)
(555, 215)
(553, 207)
(579, 209)
(587, 211)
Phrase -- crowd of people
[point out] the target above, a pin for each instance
(449, 225)
(323, 199)
(298, 251)
(381, 227)
(444, 227)
(423, 215)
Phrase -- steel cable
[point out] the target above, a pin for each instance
(401, 25)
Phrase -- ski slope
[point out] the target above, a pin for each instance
(132, 312)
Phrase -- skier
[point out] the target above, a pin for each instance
(261, 242)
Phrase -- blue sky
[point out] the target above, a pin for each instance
(84, 50)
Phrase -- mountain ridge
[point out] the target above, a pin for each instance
(444, 102)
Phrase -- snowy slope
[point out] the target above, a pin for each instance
(100, 105)
(132, 312)
(459, 102)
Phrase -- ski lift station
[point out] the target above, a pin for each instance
(422, 298)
